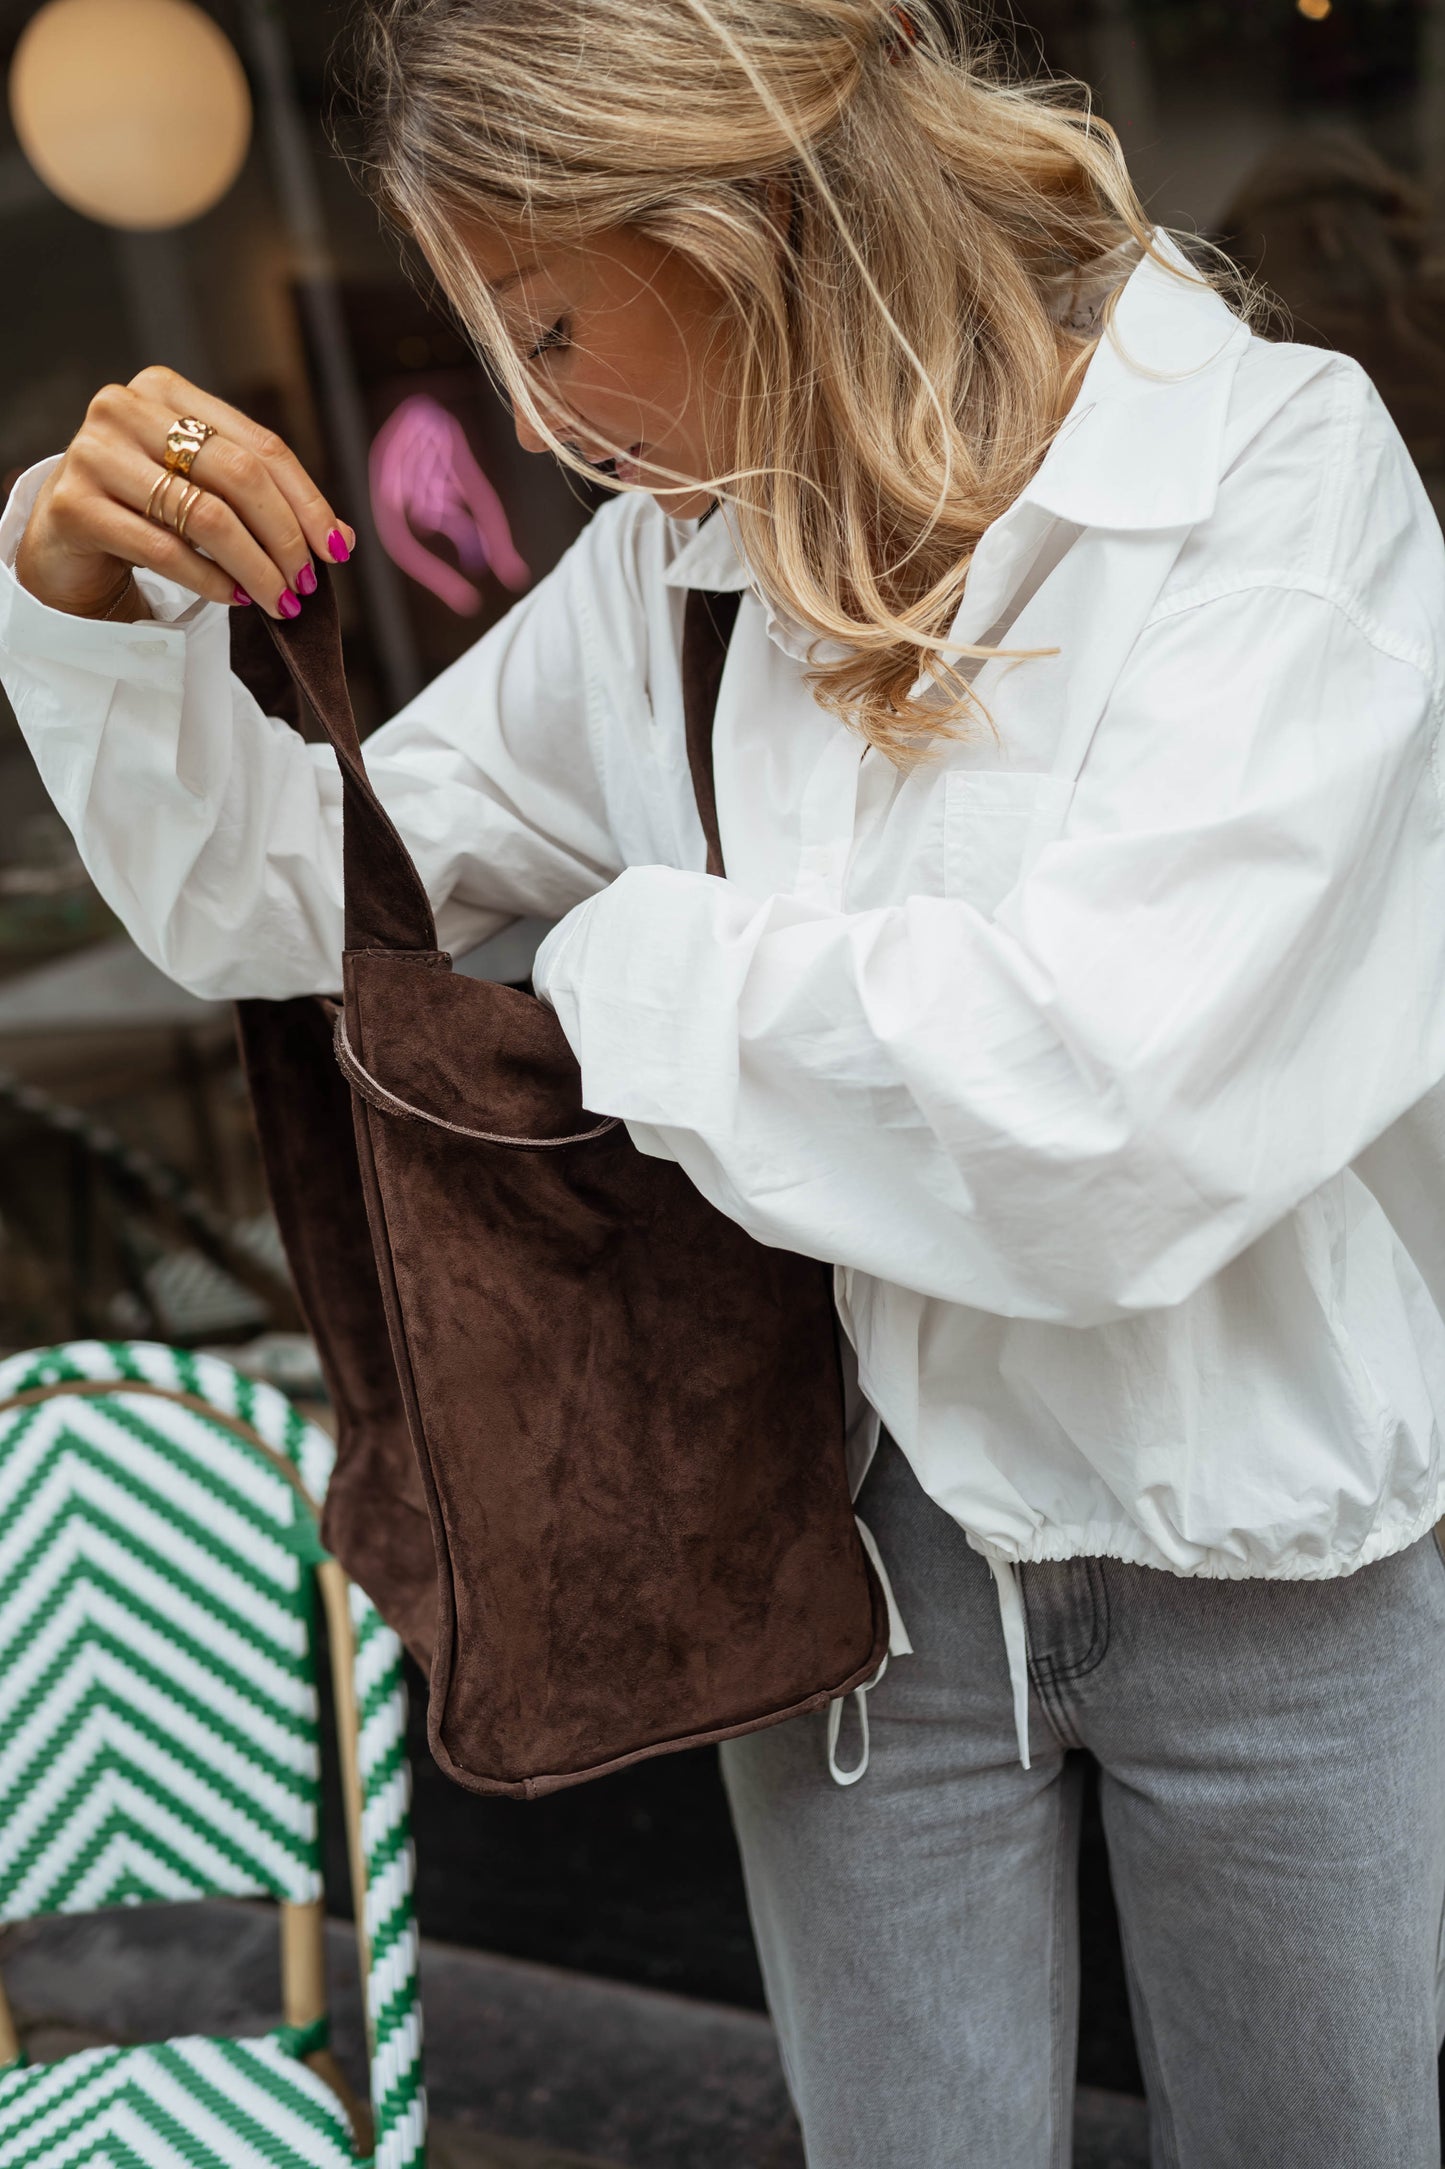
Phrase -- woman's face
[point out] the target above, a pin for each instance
(624, 346)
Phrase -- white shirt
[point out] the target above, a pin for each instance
(1101, 1054)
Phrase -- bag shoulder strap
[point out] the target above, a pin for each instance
(706, 631)
(386, 904)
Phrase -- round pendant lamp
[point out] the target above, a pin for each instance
(135, 112)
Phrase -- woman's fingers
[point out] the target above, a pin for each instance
(253, 519)
(109, 465)
(138, 541)
(243, 545)
(325, 534)
(239, 498)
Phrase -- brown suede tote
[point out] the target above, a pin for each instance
(590, 1433)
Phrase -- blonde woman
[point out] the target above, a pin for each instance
(1077, 987)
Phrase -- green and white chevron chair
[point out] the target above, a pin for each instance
(159, 1740)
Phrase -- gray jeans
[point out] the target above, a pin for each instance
(1272, 1769)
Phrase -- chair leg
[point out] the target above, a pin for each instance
(9, 2038)
(342, 1642)
(303, 1963)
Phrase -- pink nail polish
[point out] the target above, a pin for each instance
(287, 604)
(338, 549)
(306, 579)
(239, 595)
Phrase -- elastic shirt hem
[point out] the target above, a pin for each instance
(1134, 1548)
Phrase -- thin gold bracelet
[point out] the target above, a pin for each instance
(120, 598)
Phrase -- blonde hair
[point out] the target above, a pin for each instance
(896, 370)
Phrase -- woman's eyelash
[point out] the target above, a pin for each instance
(550, 341)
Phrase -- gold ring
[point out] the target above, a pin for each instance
(184, 439)
(155, 503)
(187, 506)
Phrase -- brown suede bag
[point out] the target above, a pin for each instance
(590, 1433)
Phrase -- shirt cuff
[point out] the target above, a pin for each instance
(644, 979)
(550, 983)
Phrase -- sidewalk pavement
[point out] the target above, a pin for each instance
(528, 2067)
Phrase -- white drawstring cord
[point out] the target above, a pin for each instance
(1015, 1638)
(898, 1646)
(1015, 1642)
(898, 1642)
(835, 1719)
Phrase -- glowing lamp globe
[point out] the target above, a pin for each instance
(135, 112)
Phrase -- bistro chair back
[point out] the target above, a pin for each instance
(160, 1568)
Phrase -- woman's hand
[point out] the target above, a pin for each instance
(259, 518)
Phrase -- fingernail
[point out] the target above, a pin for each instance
(338, 549)
(239, 595)
(306, 579)
(288, 606)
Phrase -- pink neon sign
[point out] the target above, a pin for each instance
(425, 481)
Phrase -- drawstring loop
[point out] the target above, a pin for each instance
(898, 1646)
(835, 1720)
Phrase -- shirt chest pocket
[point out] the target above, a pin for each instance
(990, 816)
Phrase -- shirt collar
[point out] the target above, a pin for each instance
(708, 555)
(1141, 445)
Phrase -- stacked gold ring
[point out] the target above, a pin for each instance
(156, 502)
(191, 494)
(188, 501)
(184, 439)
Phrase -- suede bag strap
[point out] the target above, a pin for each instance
(707, 628)
(386, 905)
